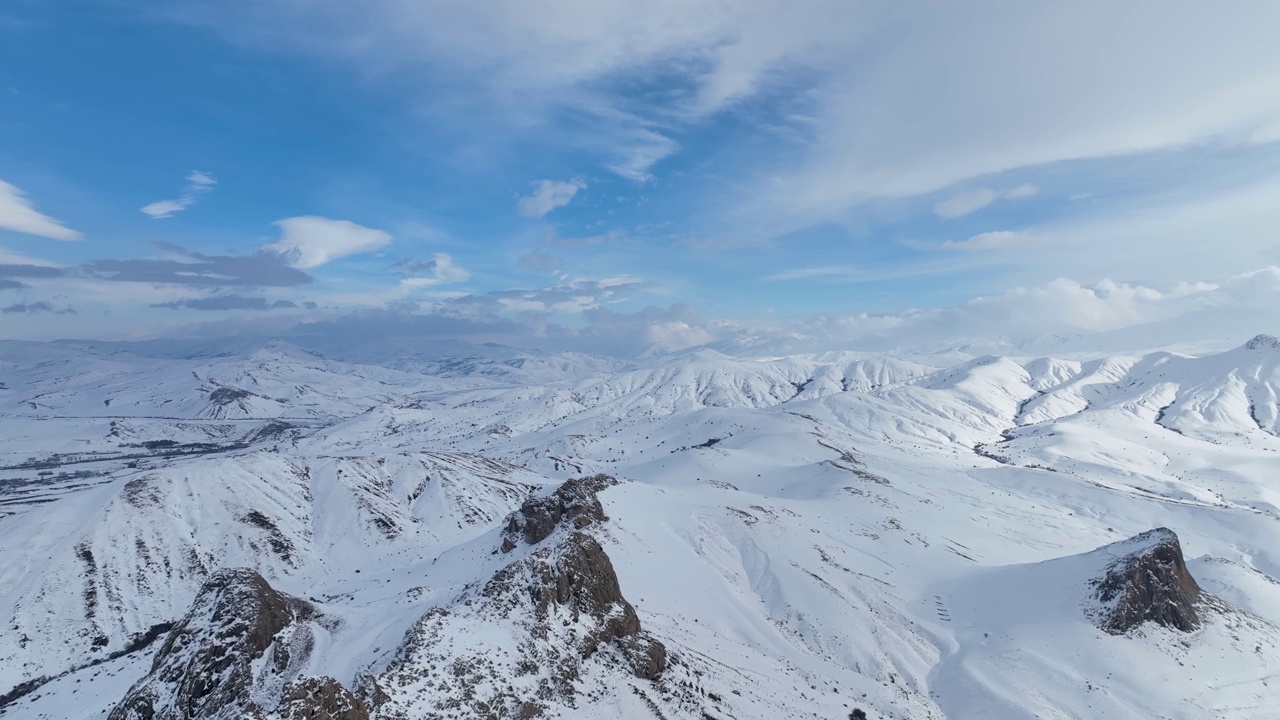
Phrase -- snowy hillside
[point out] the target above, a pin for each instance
(787, 537)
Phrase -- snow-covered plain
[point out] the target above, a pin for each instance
(807, 534)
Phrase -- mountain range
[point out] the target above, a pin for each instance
(285, 530)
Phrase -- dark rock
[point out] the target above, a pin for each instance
(573, 503)
(578, 576)
(530, 710)
(648, 656)
(320, 699)
(204, 669)
(1149, 583)
(560, 605)
(274, 430)
(1263, 342)
(22, 690)
(226, 395)
(277, 540)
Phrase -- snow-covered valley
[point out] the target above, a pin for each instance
(793, 537)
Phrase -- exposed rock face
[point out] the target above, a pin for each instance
(320, 699)
(648, 656)
(225, 395)
(1263, 342)
(205, 667)
(274, 430)
(578, 579)
(557, 606)
(1148, 583)
(512, 647)
(573, 503)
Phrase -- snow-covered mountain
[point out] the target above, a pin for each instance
(293, 530)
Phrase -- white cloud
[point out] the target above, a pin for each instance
(1153, 240)
(965, 203)
(438, 271)
(198, 183)
(204, 179)
(19, 215)
(996, 240)
(974, 200)
(310, 241)
(1159, 240)
(977, 90)
(1061, 317)
(161, 209)
(810, 273)
(972, 89)
(676, 335)
(548, 195)
(8, 257)
(635, 154)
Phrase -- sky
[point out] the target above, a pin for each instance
(625, 177)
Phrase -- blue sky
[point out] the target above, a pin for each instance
(614, 175)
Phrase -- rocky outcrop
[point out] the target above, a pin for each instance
(1147, 582)
(555, 608)
(226, 395)
(575, 503)
(1268, 343)
(513, 646)
(209, 665)
(575, 579)
(320, 699)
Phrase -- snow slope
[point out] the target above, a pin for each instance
(805, 535)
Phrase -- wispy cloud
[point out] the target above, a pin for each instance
(548, 195)
(12, 275)
(263, 269)
(636, 152)
(996, 240)
(35, 308)
(198, 183)
(874, 121)
(832, 271)
(965, 203)
(230, 301)
(973, 200)
(439, 270)
(8, 257)
(541, 262)
(17, 213)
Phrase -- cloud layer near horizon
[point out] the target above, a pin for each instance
(1061, 317)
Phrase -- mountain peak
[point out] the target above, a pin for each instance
(1263, 342)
